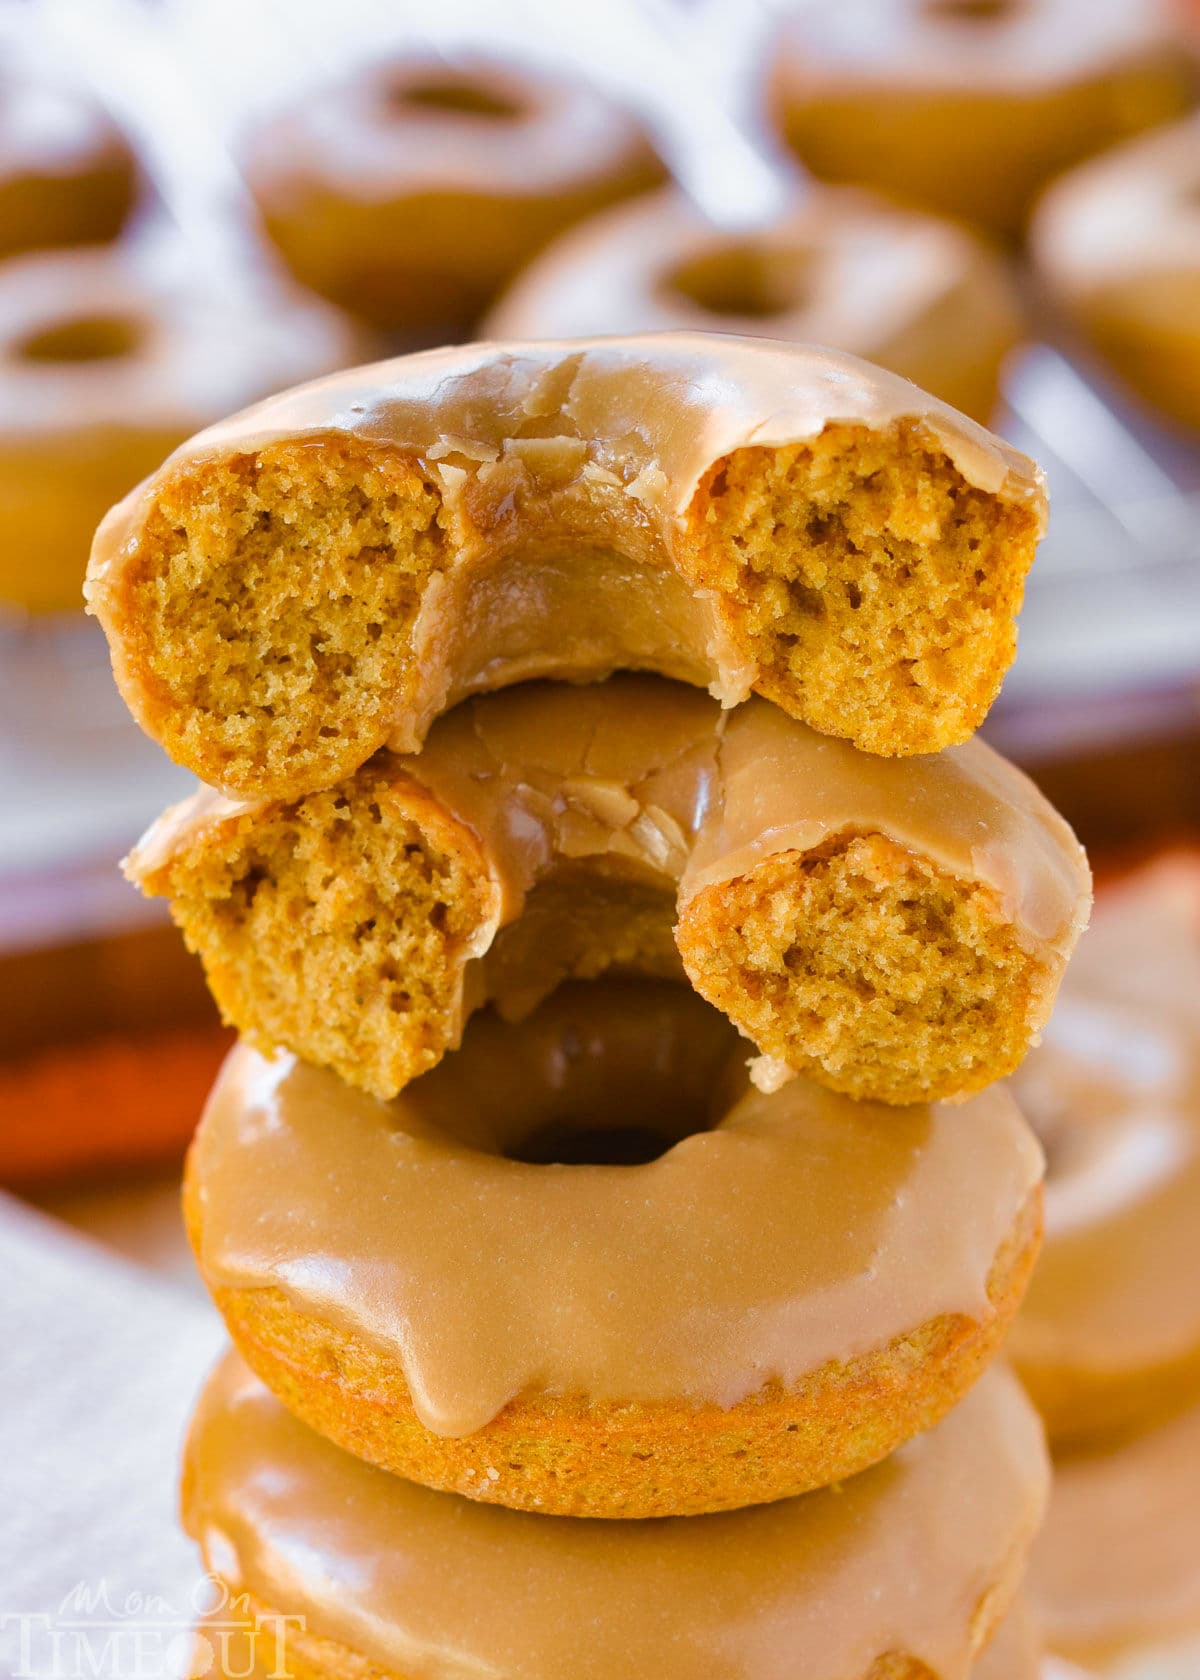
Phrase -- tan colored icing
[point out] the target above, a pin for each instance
(801, 1228)
(1132, 212)
(1114, 1090)
(607, 439)
(655, 777)
(427, 1586)
(1018, 47)
(844, 269)
(1118, 1562)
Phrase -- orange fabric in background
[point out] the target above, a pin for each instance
(105, 1106)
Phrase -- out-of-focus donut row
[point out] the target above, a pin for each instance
(432, 200)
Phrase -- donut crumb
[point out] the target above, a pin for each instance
(329, 926)
(874, 587)
(271, 606)
(867, 966)
(338, 926)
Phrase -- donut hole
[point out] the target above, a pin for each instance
(603, 1073)
(572, 1142)
(457, 98)
(750, 280)
(83, 338)
(972, 11)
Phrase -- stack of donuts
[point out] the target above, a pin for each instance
(611, 1198)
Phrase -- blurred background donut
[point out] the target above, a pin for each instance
(411, 193)
(970, 106)
(1116, 243)
(67, 174)
(922, 296)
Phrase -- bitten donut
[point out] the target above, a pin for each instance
(323, 575)
(411, 194)
(920, 296)
(107, 359)
(584, 1268)
(902, 1574)
(1110, 1334)
(1115, 1574)
(1117, 246)
(67, 177)
(894, 928)
(970, 106)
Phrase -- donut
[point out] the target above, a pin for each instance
(567, 1271)
(970, 106)
(1109, 1338)
(323, 575)
(412, 193)
(108, 358)
(1115, 1574)
(67, 176)
(1117, 247)
(922, 297)
(894, 928)
(901, 1574)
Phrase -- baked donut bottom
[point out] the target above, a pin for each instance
(327, 573)
(904, 1573)
(568, 1271)
(894, 930)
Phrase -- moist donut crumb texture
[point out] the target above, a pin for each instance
(328, 926)
(272, 603)
(873, 581)
(870, 964)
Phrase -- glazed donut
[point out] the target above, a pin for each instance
(900, 1575)
(324, 574)
(566, 1271)
(107, 360)
(920, 296)
(1115, 1574)
(67, 177)
(894, 928)
(413, 193)
(970, 106)
(1117, 246)
(1110, 1335)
